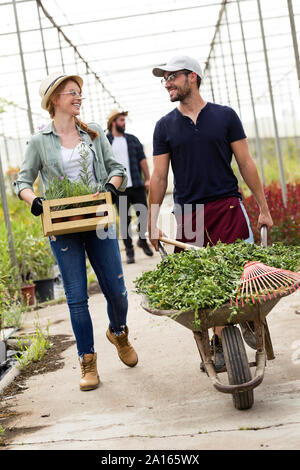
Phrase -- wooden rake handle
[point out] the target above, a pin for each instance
(185, 246)
(170, 241)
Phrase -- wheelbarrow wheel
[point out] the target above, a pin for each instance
(238, 369)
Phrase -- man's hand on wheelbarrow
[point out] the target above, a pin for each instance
(154, 234)
(265, 219)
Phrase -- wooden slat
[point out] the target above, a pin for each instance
(46, 219)
(78, 199)
(79, 211)
(108, 197)
(83, 225)
(81, 222)
(110, 209)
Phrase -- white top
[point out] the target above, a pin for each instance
(73, 160)
(120, 150)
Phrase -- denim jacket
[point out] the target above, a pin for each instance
(44, 154)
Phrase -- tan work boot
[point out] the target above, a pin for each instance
(89, 374)
(126, 352)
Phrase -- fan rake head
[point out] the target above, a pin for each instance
(260, 281)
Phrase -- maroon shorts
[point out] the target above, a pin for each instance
(221, 220)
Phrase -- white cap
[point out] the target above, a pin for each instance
(178, 62)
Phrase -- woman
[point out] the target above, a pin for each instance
(55, 152)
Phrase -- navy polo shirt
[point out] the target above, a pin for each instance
(200, 154)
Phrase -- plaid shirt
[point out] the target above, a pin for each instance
(136, 154)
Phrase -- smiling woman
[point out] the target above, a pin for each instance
(57, 152)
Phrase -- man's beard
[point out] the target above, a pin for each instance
(120, 129)
(181, 94)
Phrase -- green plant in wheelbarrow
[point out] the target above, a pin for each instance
(210, 277)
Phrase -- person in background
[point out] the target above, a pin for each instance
(129, 152)
(199, 138)
(55, 152)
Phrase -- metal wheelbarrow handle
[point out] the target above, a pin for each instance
(264, 236)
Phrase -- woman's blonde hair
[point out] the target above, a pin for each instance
(51, 110)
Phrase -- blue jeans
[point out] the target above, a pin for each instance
(104, 255)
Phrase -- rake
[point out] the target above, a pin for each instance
(261, 281)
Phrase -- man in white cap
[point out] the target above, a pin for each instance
(129, 151)
(199, 138)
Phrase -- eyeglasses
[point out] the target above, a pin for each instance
(74, 93)
(174, 75)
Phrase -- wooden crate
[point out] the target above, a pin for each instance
(104, 218)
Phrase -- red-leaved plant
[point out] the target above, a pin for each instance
(286, 219)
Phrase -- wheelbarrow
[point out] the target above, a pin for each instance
(240, 381)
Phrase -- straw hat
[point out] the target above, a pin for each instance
(113, 115)
(51, 82)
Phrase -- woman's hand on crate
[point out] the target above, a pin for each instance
(37, 206)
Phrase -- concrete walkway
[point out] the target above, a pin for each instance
(165, 402)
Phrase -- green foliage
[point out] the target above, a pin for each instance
(43, 259)
(85, 175)
(28, 240)
(11, 312)
(25, 251)
(63, 187)
(209, 277)
(33, 347)
(19, 212)
(9, 279)
(286, 219)
(34, 255)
